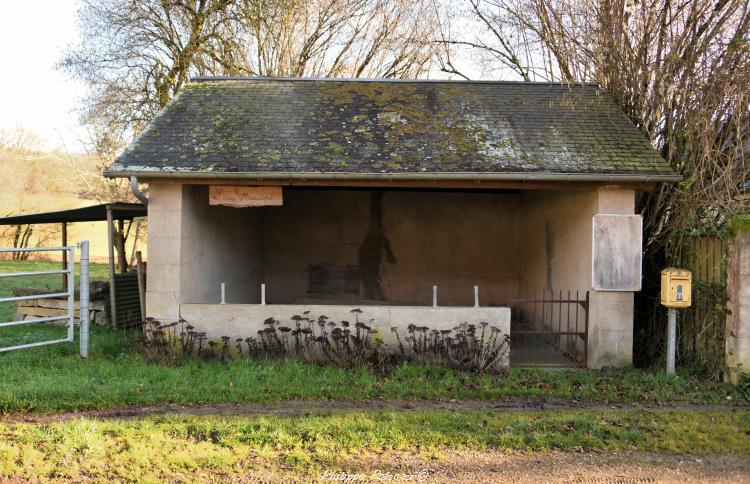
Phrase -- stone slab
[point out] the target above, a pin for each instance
(245, 320)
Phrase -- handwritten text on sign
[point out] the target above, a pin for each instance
(239, 196)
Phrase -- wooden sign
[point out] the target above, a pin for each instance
(241, 196)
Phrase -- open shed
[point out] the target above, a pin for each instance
(425, 202)
(117, 212)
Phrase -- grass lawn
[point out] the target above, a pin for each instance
(96, 271)
(205, 448)
(300, 445)
(54, 378)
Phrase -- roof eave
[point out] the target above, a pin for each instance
(442, 176)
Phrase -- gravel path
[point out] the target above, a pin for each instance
(625, 467)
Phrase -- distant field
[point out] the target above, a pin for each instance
(97, 272)
(49, 182)
(94, 232)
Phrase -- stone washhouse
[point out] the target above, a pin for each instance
(418, 202)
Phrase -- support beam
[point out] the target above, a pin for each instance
(122, 262)
(111, 247)
(420, 184)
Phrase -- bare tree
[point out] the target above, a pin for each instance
(19, 141)
(136, 55)
(679, 68)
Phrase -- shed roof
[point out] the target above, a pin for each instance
(93, 213)
(274, 128)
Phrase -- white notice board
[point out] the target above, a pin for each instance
(617, 252)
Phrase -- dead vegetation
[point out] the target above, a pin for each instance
(476, 348)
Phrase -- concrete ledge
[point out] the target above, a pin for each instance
(245, 320)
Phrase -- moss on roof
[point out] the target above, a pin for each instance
(334, 126)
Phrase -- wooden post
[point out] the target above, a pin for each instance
(135, 240)
(141, 284)
(122, 262)
(111, 246)
(64, 255)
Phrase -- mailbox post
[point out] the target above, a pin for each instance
(676, 292)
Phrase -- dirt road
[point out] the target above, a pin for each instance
(325, 407)
(497, 467)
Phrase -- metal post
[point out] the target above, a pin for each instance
(434, 296)
(223, 293)
(84, 297)
(263, 294)
(71, 292)
(671, 339)
(64, 255)
(476, 296)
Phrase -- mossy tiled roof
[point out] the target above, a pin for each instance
(347, 126)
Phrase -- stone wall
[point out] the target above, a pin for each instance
(46, 307)
(219, 244)
(359, 247)
(557, 255)
(738, 304)
(392, 246)
(245, 320)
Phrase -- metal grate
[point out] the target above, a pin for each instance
(549, 330)
(127, 301)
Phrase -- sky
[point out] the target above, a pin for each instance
(33, 35)
(33, 93)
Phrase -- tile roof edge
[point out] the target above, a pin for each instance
(121, 172)
(198, 79)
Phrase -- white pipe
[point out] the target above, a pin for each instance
(263, 294)
(46, 319)
(33, 296)
(71, 292)
(33, 273)
(434, 296)
(84, 297)
(223, 293)
(476, 296)
(33, 345)
(34, 249)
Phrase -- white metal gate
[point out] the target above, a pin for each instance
(69, 253)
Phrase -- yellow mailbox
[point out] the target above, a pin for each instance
(676, 288)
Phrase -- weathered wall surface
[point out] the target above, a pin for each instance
(164, 246)
(219, 244)
(397, 244)
(738, 302)
(356, 247)
(193, 247)
(611, 312)
(557, 255)
(556, 234)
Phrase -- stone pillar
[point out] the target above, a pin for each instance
(738, 303)
(164, 232)
(611, 312)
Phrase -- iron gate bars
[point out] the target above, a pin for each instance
(69, 271)
(550, 330)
